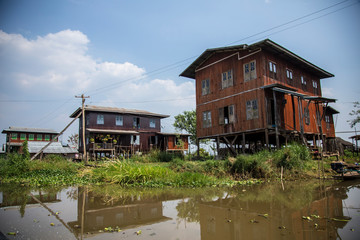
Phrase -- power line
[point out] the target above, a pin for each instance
(284, 24)
(185, 61)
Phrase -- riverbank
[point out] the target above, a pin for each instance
(159, 169)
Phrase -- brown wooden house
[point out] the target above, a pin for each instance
(259, 95)
(119, 131)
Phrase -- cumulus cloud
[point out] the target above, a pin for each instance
(58, 66)
(57, 61)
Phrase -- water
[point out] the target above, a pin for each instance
(292, 210)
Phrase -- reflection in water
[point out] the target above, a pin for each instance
(303, 210)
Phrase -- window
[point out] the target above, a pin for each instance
(31, 136)
(272, 70)
(303, 83)
(135, 139)
(152, 123)
(100, 119)
(227, 79)
(47, 137)
(206, 119)
(39, 137)
(136, 122)
(226, 115)
(315, 87)
(289, 76)
(327, 120)
(119, 121)
(22, 136)
(307, 116)
(249, 71)
(205, 87)
(14, 136)
(252, 111)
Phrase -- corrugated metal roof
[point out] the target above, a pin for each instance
(30, 130)
(174, 134)
(55, 148)
(264, 44)
(118, 110)
(93, 130)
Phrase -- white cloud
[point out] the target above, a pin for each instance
(58, 66)
(57, 61)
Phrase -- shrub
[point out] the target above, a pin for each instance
(292, 156)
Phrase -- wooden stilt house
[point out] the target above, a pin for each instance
(111, 131)
(259, 95)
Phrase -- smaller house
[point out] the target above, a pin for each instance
(37, 138)
(111, 131)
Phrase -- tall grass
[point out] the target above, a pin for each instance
(135, 174)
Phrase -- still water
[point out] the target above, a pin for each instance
(292, 210)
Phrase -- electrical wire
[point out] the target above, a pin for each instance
(185, 61)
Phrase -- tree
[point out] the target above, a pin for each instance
(74, 139)
(187, 122)
(356, 114)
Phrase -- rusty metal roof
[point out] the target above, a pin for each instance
(29, 130)
(266, 44)
(92, 108)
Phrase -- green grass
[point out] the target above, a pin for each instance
(161, 169)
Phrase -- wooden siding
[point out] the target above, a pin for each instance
(243, 91)
(110, 122)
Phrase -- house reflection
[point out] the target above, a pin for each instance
(95, 212)
(273, 218)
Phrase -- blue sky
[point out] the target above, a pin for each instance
(130, 53)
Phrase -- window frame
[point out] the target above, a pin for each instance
(303, 83)
(289, 76)
(31, 137)
(205, 87)
(272, 70)
(119, 120)
(47, 137)
(249, 72)
(227, 79)
(14, 136)
(206, 119)
(39, 137)
(327, 121)
(22, 136)
(100, 119)
(227, 114)
(315, 87)
(152, 121)
(252, 109)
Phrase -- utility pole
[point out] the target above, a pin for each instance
(83, 126)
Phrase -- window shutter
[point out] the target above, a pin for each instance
(231, 114)
(246, 72)
(252, 70)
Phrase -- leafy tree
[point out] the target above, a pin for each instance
(187, 121)
(356, 114)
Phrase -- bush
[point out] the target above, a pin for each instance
(292, 156)
(14, 164)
